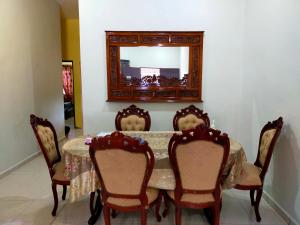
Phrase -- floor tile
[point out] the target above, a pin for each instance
(74, 213)
(9, 209)
(5, 222)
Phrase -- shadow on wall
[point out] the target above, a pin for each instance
(285, 178)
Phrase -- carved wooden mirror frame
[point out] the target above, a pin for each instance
(187, 89)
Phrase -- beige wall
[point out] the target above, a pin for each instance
(30, 77)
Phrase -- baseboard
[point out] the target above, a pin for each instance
(19, 164)
(284, 214)
(27, 159)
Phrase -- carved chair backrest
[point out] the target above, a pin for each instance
(189, 118)
(47, 139)
(198, 157)
(123, 164)
(268, 137)
(133, 119)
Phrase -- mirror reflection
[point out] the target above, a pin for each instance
(159, 66)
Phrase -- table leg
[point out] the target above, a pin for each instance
(96, 212)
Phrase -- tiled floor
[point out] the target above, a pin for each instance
(26, 199)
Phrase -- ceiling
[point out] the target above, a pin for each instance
(69, 8)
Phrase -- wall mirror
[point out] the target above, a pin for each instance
(154, 66)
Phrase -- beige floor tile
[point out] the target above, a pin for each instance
(74, 212)
(39, 212)
(10, 210)
(5, 222)
(125, 218)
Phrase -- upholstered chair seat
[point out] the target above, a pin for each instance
(151, 193)
(59, 174)
(252, 176)
(47, 139)
(194, 198)
(189, 118)
(133, 119)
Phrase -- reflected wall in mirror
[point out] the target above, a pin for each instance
(154, 66)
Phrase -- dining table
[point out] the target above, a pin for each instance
(83, 179)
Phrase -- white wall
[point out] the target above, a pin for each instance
(271, 88)
(30, 78)
(223, 25)
(155, 57)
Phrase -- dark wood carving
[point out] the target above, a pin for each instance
(186, 39)
(114, 66)
(154, 88)
(151, 39)
(120, 93)
(123, 39)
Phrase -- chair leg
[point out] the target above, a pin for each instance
(64, 192)
(92, 198)
(216, 214)
(166, 209)
(54, 190)
(143, 217)
(95, 208)
(157, 207)
(106, 212)
(256, 206)
(177, 215)
(252, 197)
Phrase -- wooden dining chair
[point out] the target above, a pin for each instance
(253, 175)
(198, 157)
(189, 118)
(47, 139)
(133, 119)
(124, 166)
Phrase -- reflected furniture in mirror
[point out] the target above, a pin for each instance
(154, 66)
